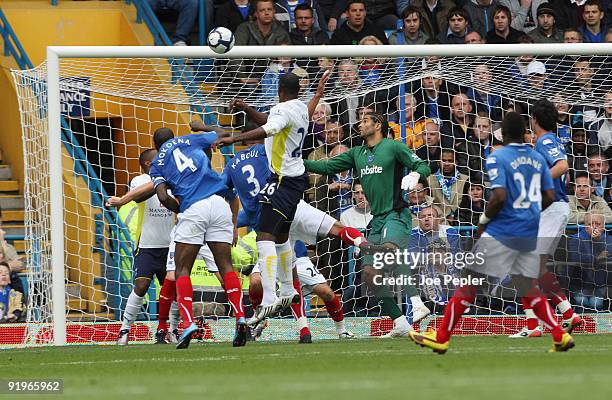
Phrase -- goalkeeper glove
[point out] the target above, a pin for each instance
(410, 181)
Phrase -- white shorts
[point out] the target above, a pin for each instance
(208, 220)
(308, 275)
(204, 254)
(552, 225)
(310, 223)
(501, 261)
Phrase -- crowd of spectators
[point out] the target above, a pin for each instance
(453, 127)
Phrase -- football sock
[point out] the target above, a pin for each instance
(334, 309)
(552, 288)
(175, 316)
(255, 296)
(285, 271)
(167, 293)
(390, 308)
(184, 297)
(417, 302)
(351, 236)
(340, 326)
(541, 308)
(532, 320)
(132, 308)
(461, 300)
(234, 293)
(269, 269)
(298, 308)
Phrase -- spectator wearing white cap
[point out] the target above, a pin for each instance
(536, 75)
(547, 31)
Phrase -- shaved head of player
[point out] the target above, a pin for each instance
(146, 158)
(161, 136)
(288, 87)
(513, 128)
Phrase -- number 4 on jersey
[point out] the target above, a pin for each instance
(182, 161)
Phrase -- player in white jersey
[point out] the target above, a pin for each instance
(284, 130)
(153, 239)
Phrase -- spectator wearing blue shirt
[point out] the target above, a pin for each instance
(598, 172)
(480, 93)
(593, 28)
(437, 242)
(591, 249)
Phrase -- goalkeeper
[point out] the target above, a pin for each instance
(379, 164)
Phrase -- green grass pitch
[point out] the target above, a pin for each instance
(474, 368)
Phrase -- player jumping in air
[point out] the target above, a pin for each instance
(153, 239)
(246, 173)
(522, 185)
(284, 130)
(204, 217)
(553, 220)
(379, 165)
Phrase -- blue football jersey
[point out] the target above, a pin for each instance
(247, 173)
(300, 249)
(524, 174)
(182, 164)
(550, 147)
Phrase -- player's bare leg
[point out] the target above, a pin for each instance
(184, 257)
(222, 254)
(255, 296)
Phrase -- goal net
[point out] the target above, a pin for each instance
(447, 109)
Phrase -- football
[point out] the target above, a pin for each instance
(221, 40)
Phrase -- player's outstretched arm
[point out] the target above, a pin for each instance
(419, 169)
(339, 163)
(168, 201)
(314, 102)
(140, 194)
(198, 126)
(255, 116)
(255, 134)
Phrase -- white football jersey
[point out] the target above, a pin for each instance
(157, 221)
(286, 128)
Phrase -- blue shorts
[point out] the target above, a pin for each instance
(151, 262)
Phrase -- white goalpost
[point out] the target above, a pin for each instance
(88, 111)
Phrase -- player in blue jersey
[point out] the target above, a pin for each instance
(554, 219)
(521, 187)
(182, 166)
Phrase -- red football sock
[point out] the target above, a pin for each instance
(167, 294)
(184, 297)
(298, 309)
(351, 236)
(551, 287)
(255, 296)
(461, 300)
(532, 320)
(233, 292)
(542, 309)
(334, 309)
(305, 330)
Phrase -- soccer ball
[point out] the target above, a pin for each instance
(221, 40)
